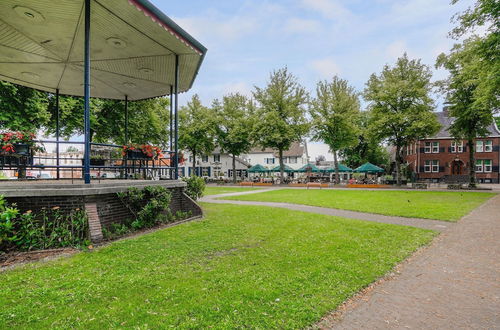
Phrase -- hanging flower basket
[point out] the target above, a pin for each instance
(19, 144)
(144, 151)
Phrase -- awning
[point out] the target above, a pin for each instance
(369, 168)
(258, 169)
(133, 48)
(287, 169)
(309, 168)
(342, 168)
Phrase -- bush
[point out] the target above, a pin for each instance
(195, 187)
(150, 206)
(44, 230)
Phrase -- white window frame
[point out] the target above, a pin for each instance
(285, 160)
(435, 166)
(479, 146)
(427, 147)
(479, 166)
(216, 158)
(428, 166)
(204, 159)
(269, 161)
(457, 147)
(435, 147)
(293, 160)
(488, 146)
(487, 168)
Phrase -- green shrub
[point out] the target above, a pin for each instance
(195, 187)
(150, 206)
(44, 230)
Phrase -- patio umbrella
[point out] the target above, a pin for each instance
(309, 168)
(287, 169)
(369, 168)
(342, 168)
(257, 169)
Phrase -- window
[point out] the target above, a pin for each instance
(285, 160)
(488, 146)
(204, 159)
(435, 147)
(293, 160)
(190, 159)
(479, 146)
(269, 160)
(431, 166)
(487, 165)
(217, 158)
(435, 166)
(483, 165)
(427, 167)
(427, 148)
(479, 165)
(457, 146)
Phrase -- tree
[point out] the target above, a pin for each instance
(401, 106)
(22, 108)
(197, 129)
(483, 14)
(148, 120)
(280, 113)
(319, 159)
(471, 118)
(234, 125)
(334, 113)
(367, 149)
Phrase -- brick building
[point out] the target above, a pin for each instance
(441, 158)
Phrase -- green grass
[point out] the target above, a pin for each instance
(449, 206)
(240, 267)
(225, 190)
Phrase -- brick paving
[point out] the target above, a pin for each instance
(452, 284)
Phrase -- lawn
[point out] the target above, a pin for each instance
(449, 206)
(240, 267)
(225, 190)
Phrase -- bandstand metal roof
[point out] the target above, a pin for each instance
(133, 48)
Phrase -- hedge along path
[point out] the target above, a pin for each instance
(412, 222)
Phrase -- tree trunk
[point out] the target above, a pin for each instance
(234, 169)
(472, 164)
(193, 173)
(398, 166)
(336, 164)
(282, 166)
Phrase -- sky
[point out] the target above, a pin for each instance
(315, 39)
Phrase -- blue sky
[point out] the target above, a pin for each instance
(316, 39)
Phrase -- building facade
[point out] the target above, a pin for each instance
(442, 158)
(219, 165)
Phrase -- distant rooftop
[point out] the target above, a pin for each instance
(446, 121)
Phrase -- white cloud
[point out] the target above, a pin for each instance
(325, 67)
(396, 49)
(299, 25)
(332, 9)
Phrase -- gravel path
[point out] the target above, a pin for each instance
(413, 222)
(452, 284)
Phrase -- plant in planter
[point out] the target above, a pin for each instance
(96, 160)
(19, 143)
(144, 151)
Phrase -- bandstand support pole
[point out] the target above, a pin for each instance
(58, 176)
(171, 128)
(86, 94)
(176, 109)
(126, 120)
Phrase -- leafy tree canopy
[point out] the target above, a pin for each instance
(334, 113)
(280, 112)
(401, 106)
(197, 129)
(235, 123)
(22, 108)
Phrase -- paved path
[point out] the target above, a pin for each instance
(413, 222)
(452, 284)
